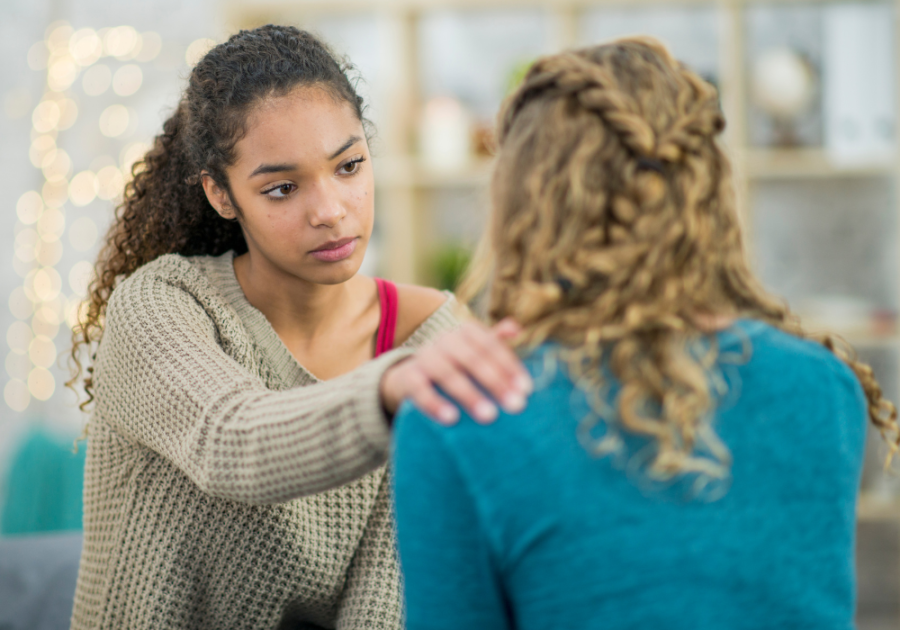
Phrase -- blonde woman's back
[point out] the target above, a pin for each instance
(521, 527)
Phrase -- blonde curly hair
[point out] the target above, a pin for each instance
(614, 232)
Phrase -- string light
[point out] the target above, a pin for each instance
(29, 207)
(19, 337)
(114, 121)
(151, 44)
(83, 188)
(127, 80)
(54, 194)
(40, 148)
(18, 365)
(46, 116)
(86, 47)
(196, 49)
(51, 224)
(39, 304)
(41, 383)
(110, 182)
(19, 305)
(122, 42)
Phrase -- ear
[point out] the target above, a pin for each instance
(217, 196)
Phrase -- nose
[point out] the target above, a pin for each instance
(326, 208)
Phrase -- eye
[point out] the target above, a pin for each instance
(283, 191)
(351, 167)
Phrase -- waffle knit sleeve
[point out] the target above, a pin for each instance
(164, 380)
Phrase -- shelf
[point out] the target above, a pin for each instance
(759, 164)
(409, 172)
(807, 163)
(336, 7)
(268, 8)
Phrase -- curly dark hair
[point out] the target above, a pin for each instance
(164, 208)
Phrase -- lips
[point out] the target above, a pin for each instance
(334, 251)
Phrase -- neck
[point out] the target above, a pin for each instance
(290, 303)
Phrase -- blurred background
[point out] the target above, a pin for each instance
(809, 89)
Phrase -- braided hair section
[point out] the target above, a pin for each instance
(615, 232)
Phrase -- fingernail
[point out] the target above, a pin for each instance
(513, 403)
(485, 411)
(523, 384)
(448, 415)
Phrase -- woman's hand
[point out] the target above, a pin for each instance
(455, 362)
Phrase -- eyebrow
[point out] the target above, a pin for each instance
(350, 142)
(264, 169)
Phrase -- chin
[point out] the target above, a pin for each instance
(336, 272)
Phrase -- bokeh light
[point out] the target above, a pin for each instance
(56, 165)
(83, 188)
(47, 284)
(110, 182)
(26, 245)
(51, 225)
(58, 36)
(196, 49)
(55, 194)
(18, 365)
(16, 395)
(85, 46)
(46, 321)
(151, 44)
(127, 80)
(18, 337)
(121, 41)
(46, 116)
(76, 312)
(114, 121)
(48, 253)
(29, 207)
(61, 74)
(68, 113)
(41, 383)
(132, 153)
(83, 234)
(42, 351)
(40, 147)
(19, 304)
(96, 80)
(80, 277)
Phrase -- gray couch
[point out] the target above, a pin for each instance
(37, 580)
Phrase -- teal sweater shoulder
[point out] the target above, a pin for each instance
(517, 525)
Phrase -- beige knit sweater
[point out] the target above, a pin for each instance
(224, 486)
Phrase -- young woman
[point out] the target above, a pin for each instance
(690, 457)
(234, 474)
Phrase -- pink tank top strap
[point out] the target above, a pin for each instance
(387, 297)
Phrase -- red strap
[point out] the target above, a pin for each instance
(387, 297)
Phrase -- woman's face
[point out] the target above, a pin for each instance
(303, 182)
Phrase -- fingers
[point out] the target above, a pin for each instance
(434, 405)
(493, 364)
(506, 328)
(409, 380)
(464, 364)
(454, 379)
